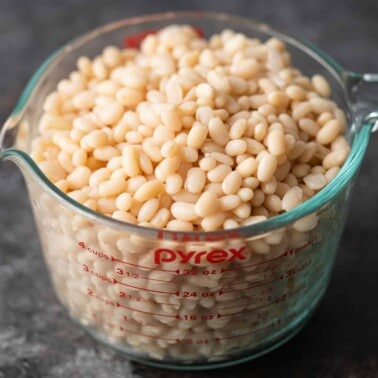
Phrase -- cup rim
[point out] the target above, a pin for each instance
(317, 202)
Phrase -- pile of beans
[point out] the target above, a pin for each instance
(188, 134)
(191, 134)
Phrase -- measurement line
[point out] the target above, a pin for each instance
(246, 281)
(252, 287)
(233, 313)
(245, 334)
(287, 253)
(240, 282)
(245, 275)
(162, 303)
(250, 266)
(236, 336)
(148, 313)
(143, 300)
(177, 271)
(96, 274)
(142, 324)
(177, 293)
(146, 300)
(234, 299)
(158, 280)
(245, 304)
(121, 328)
(158, 326)
(232, 337)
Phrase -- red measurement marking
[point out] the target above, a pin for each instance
(199, 317)
(109, 302)
(148, 313)
(134, 40)
(136, 276)
(231, 337)
(287, 253)
(177, 293)
(98, 297)
(246, 275)
(177, 271)
(155, 279)
(129, 297)
(100, 276)
(235, 299)
(280, 278)
(280, 299)
(195, 272)
(199, 31)
(247, 266)
(244, 304)
(162, 303)
(245, 334)
(261, 280)
(184, 294)
(283, 276)
(93, 251)
(148, 279)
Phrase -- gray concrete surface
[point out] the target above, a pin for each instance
(37, 339)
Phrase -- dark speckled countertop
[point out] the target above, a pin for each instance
(37, 339)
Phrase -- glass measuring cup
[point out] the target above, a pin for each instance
(180, 299)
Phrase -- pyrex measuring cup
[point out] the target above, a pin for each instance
(189, 299)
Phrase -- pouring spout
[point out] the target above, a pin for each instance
(8, 134)
(6, 139)
(14, 133)
(362, 91)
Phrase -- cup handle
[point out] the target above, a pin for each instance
(362, 90)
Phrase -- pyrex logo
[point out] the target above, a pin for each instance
(215, 256)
